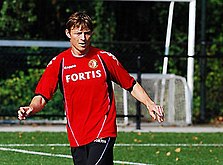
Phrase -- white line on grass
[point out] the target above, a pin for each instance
(118, 145)
(59, 155)
(34, 145)
(169, 145)
(132, 163)
(34, 152)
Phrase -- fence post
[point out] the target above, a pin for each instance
(138, 104)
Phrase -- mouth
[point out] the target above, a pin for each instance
(82, 44)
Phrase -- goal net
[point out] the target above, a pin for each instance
(176, 100)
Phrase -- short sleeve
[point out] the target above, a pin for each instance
(48, 82)
(117, 72)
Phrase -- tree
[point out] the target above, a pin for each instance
(17, 18)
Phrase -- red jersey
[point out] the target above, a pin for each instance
(87, 90)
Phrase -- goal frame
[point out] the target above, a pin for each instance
(190, 43)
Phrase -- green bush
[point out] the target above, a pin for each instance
(18, 90)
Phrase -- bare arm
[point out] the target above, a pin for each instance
(36, 105)
(155, 111)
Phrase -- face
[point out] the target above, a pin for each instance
(80, 40)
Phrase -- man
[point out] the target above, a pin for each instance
(84, 74)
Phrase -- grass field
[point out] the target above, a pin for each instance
(51, 148)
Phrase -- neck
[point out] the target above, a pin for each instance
(77, 55)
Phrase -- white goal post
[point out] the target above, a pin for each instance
(191, 44)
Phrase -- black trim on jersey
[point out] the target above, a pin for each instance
(38, 94)
(60, 82)
(109, 82)
(131, 88)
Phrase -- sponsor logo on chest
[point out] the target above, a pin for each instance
(93, 72)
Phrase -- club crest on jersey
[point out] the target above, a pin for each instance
(93, 64)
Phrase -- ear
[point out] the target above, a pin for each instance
(92, 33)
(67, 33)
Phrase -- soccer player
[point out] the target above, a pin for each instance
(85, 74)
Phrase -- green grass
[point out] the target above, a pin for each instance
(157, 154)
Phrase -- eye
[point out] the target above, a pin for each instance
(78, 33)
(88, 33)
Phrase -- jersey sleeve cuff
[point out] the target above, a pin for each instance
(38, 94)
(131, 88)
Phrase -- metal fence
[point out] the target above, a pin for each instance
(22, 61)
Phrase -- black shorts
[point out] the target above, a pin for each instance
(98, 152)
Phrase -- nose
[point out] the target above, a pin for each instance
(82, 36)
